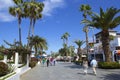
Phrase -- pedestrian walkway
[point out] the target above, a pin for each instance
(68, 71)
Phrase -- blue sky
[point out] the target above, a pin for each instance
(59, 16)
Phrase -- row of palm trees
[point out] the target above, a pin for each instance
(31, 9)
(69, 50)
(65, 42)
(104, 21)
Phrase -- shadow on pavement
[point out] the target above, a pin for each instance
(86, 74)
(81, 73)
(74, 66)
(111, 76)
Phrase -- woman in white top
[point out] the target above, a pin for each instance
(85, 66)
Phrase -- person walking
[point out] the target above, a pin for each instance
(85, 66)
(43, 61)
(54, 61)
(48, 62)
(51, 61)
(94, 65)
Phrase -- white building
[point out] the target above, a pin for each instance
(114, 46)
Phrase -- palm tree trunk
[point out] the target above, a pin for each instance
(35, 51)
(32, 27)
(20, 42)
(67, 47)
(19, 22)
(79, 54)
(105, 44)
(29, 33)
(86, 33)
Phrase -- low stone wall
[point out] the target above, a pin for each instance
(18, 71)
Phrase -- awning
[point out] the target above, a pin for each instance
(117, 52)
(44, 55)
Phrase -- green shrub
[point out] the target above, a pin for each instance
(78, 62)
(34, 59)
(3, 69)
(32, 64)
(1, 57)
(109, 65)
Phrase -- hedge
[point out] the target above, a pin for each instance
(109, 65)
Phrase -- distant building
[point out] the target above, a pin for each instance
(114, 47)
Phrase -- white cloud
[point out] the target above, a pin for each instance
(4, 17)
(4, 12)
(51, 5)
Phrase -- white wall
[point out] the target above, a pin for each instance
(118, 41)
(112, 33)
(113, 44)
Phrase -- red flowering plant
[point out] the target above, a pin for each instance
(5, 52)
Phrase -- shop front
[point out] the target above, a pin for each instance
(116, 55)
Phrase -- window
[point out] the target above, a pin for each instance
(117, 47)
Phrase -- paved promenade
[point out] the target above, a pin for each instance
(68, 71)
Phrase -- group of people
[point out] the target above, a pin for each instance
(93, 63)
(49, 61)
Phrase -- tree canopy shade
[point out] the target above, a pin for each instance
(105, 20)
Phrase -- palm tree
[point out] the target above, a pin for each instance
(17, 11)
(71, 50)
(86, 9)
(79, 43)
(65, 37)
(33, 10)
(62, 52)
(39, 43)
(66, 49)
(105, 21)
(65, 42)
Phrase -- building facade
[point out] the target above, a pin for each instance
(114, 47)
